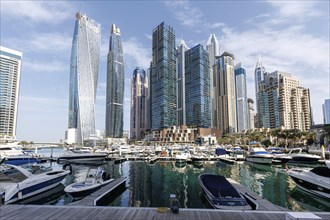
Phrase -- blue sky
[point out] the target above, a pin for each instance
(291, 36)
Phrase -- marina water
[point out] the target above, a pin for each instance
(149, 185)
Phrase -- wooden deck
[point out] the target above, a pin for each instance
(96, 197)
(24, 212)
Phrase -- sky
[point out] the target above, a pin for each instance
(290, 36)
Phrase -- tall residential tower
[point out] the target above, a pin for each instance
(139, 104)
(326, 111)
(85, 56)
(115, 86)
(259, 73)
(163, 77)
(10, 74)
(241, 98)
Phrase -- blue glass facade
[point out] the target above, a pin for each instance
(241, 98)
(163, 77)
(115, 86)
(326, 111)
(197, 87)
(85, 55)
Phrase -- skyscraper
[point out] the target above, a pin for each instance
(241, 98)
(10, 74)
(225, 94)
(283, 102)
(251, 113)
(181, 89)
(163, 77)
(197, 85)
(115, 86)
(213, 49)
(326, 111)
(139, 91)
(85, 56)
(259, 73)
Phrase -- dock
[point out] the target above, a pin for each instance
(262, 204)
(23, 212)
(98, 196)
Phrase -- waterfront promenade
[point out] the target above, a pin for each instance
(41, 212)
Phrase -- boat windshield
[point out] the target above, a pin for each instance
(321, 171)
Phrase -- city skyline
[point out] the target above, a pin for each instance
(290, 36)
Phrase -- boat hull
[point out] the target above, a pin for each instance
(259, 159)
(26, 189)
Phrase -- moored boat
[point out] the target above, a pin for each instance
(221, 194)
(315, 181)
(298, 156)
(259, 155)
(279, 155)
(181, 157)
(33, 184)
(95, 179)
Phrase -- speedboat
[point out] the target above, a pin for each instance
(315, 181)
(299, 156)
(221, 194)
(33, 184)
(279, 155)
(259, 155)
(96, 178)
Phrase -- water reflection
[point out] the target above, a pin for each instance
(150, 185)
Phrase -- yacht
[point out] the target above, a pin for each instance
(279, 155)
(315, 181)
(181, 157)
(33, 184)
(259, 155)
(237, 153)
(12, 154)
(299, 156)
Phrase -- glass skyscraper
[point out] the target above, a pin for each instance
(225, 94)
(85, 56)
(213, 48)
(139, 92)
(258, 77)
(197, 83)
(163, 77)
(326, 111)
(181, 91)
(10, 73)
(241, 98)
(115, 86)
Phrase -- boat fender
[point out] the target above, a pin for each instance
(175, 206)
(67, 167)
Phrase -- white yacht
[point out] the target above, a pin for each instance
(33, 184)
(259, 155)
(279, 155)
(315, 181)
(299, 156)
(181, 157)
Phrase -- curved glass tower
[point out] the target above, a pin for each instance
(115, 86)
(85, 56)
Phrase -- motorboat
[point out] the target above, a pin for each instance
(298, 156)
(95, 179)
(279, 155)
(181, 157)
(33, 184)
(237, 153)
(315, 180)
(221, 194)
(259, 155)
(82, 158)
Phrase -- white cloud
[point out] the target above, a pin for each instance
(53, 66)
(136, 54)
(190, 16)
(295, 9)
(148, 36)
(37, 11)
